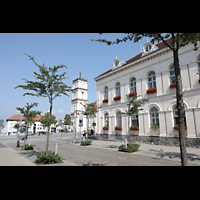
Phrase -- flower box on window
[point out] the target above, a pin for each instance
(151, 90)
(134, 128)
(118, 128)
(132, 94)
(117, 98)
(105, 128)
(173, 85)
(176, 127)
(105, 101)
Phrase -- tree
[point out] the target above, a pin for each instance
(90, 109)
(176, 41)
(67, 119)
(29, 115)
(134, 106)
(49, 84)
(45, 120)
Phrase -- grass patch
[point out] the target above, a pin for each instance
(50, 158)
(130, 148)
(88, 142)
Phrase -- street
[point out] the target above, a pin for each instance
(102, 153)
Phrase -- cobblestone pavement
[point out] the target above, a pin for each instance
(105, 153)
(76, 155)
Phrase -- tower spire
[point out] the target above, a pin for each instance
(80, 73)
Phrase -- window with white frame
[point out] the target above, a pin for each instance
(106, 119)
(172, 74)
(118, 89)
(152, 80)
(133, 85)
(154, 116)
(118, 119)
(106, 92)
(134, 120)
(176, 118)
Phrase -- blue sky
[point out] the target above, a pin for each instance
(75, 50)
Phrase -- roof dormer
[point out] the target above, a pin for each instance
(117, 63)
(148, 48)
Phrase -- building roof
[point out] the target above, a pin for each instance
(159, 45)
(17, 118)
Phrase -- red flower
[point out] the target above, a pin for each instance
(176, 127)
(118, 128)
(105, 100)
(117, 98)
(132, 94)
(173, 84)
(105, 128)
(151, 90)
(135, 128)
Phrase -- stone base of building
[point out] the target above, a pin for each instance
(156, 140)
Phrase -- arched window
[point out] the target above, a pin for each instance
(154, 116)
(106, 92)
(176, 118)
(134, 120)
(172, 74)
(106, 119)
(133, 85)
(118, 89)
(118, 119)
(152, 80)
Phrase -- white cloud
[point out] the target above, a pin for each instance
(60, 111)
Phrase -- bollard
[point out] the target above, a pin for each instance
(125, 143)
(29, 142)
(56, 148)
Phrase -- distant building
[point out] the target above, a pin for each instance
(9, 129)
(151, 75)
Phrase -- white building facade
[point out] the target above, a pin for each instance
(151, 75)
(33, 129)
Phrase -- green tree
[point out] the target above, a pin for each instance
(134, 106)
(90, 109)
(45, 120)
(29, 115)
(67, 119)
(177, 41)
(48, 84)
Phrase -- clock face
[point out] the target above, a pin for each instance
(117, 63)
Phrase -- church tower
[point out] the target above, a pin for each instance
(79, 97)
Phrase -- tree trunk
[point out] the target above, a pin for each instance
(181, 110)
(87, 127)
(50, 113)
(129, 137)
(25, 136)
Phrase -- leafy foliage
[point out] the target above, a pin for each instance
(28, 147)
(87, 142)
(48, 84)
(45, 120)
(130, 147)
(50, 158)
(134, 105)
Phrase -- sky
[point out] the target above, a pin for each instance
(75, 50)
